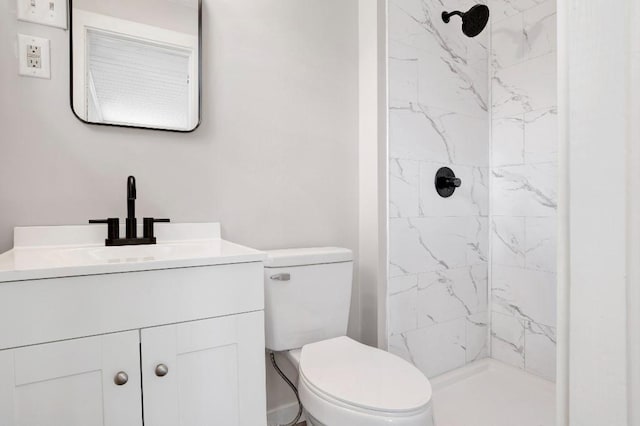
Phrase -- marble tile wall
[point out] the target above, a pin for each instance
(523, 184)
(446, 91)
(439, 248)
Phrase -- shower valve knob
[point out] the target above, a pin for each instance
(446, 182)
(449, 182)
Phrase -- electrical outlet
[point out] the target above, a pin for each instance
(46, 12)
(33, 56)
(34, 62)
(34, 50)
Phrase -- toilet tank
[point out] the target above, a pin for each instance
(307, 295)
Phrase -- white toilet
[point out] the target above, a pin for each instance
(341, 382)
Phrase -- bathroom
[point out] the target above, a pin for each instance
(315, 131)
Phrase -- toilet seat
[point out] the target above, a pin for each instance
(343, 382)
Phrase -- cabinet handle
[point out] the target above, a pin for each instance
(285, 276)
(121, 378)
(161, 370)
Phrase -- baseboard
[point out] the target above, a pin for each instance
(477, 367)
(461, 373)
(283, 414)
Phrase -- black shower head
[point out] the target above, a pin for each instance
(473, 21)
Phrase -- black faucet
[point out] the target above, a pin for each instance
(132, 226)
(131, 238)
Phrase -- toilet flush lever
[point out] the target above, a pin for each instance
(285, 276)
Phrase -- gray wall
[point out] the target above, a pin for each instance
(275, 159)
(173, 15)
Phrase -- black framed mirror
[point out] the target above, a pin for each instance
(136, 63)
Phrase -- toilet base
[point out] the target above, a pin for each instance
(311, 421)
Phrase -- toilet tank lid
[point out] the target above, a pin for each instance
(307, 256)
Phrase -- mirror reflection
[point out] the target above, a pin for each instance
(136, 63)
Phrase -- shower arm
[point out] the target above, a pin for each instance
(446, 16)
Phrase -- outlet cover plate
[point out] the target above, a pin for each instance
(46, 12)
(34, 56)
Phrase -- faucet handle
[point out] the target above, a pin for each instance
(113, 227)
(147, 226)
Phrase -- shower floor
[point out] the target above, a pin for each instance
(489, 393)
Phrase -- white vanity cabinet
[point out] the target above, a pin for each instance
(198, 373)
(71, 383)
(153, 337)
(204, 372)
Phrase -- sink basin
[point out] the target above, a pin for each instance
(64, 251)
(131, 254)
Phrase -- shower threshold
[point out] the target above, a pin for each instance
(490, 393)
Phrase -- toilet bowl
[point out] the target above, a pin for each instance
(341, 382)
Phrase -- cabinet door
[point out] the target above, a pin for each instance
(205, 373)
(71, 383)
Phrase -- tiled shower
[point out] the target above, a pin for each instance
(473, 275)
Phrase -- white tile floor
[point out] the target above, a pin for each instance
(489, 393)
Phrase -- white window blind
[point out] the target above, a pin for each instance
(137, 82)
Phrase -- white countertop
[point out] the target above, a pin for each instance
(65, 251)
